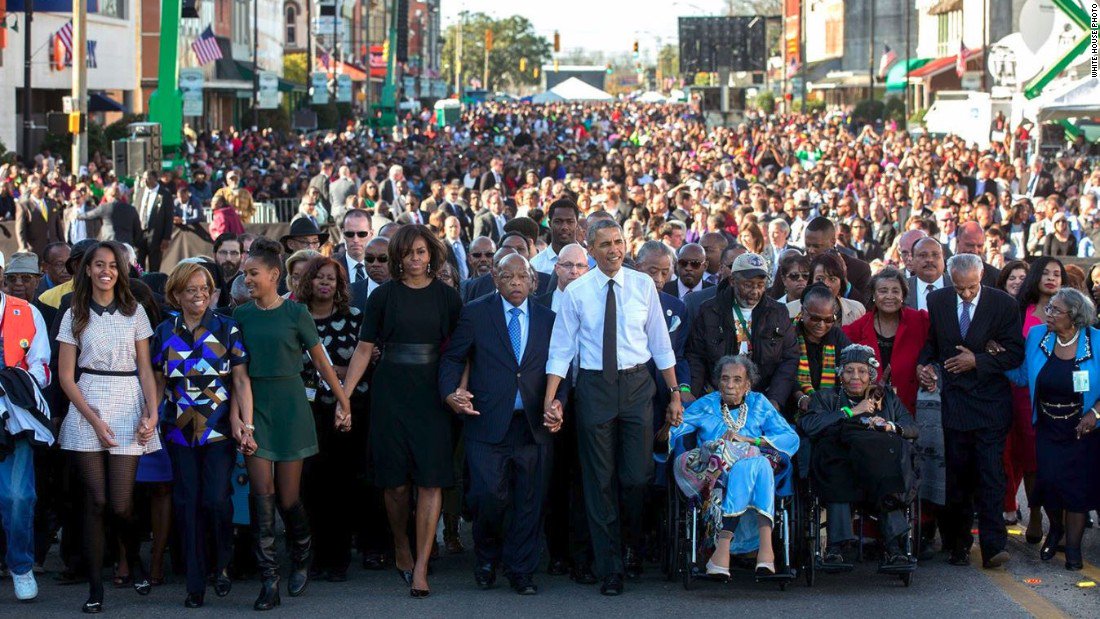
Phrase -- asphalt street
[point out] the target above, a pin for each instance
(1028, 587)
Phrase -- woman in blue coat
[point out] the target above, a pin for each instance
(1062, 369)
(742, 430)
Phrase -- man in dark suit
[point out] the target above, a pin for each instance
(391, 190)
(38, 219)
(975, 337)
(119, 221)
(820, 237)
(376, 258)
(321, 182)
(970, 239)
(1037, 183)
(493, 177)
(153, 202)
(491, 219)
(454, 206)
(507, 444)
(691, 266)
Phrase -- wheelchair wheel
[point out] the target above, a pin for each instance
(813, 542)
(907, 579)
(687, 574)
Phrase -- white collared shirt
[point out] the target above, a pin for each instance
(973, 306)
(38, 354)
(371, 285)
(350, 263)
(922, 291)
(682, 290)
(544, 261)
(460, 257)
(641, 332)
(555, 299)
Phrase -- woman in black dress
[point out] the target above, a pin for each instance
(409, 317)
(323, 288)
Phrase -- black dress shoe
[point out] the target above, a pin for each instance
(485, 575)
(612, 585)
(558, 567)
(582, 575)
(1074, 561)
(92, 608)
(994, 560)
(222, 585)
(374, 561)
(523, 584)
(193, 600)
(959, 557)
(1051, 546)
(633, 563)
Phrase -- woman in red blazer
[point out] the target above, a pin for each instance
(896, 333)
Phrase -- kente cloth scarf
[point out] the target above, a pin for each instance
(828, 367)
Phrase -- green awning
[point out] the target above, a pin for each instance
(899, 73)
(245, 69)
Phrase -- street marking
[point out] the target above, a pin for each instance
(1089, 570)
(1025, 595)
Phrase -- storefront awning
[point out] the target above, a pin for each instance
(939, 65)
(245, 69)
(99, 102)
(357, 74)
(841, 79)
(898, 74)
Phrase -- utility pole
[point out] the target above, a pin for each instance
(256, 63)
(335, 40)
(485, 70)
(309, 43)
(908, 54)
(80, 83)
(985, 43)
(802, 51)
(28, 12)
(871, 67)
(458, 54)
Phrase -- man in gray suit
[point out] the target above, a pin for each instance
(928, 266)
(119, 221)
(339, 191)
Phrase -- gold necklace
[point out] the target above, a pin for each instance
(277, 303)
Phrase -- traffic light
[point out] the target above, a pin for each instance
(557, 41)
(76, 122)
(402, 50)
(536, 75)
(488, 39)
(189, 9)
(635, 46)
(522, 65)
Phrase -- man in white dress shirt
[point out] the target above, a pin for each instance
(612, 317)
(929, 273)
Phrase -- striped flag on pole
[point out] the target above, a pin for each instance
(206, 47)
(960, 60)
(66, 37)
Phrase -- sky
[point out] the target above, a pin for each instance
(608, 25)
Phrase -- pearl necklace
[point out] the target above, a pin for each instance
(1071, 341)
(742, 416)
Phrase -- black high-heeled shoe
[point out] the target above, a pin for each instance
(419, 593)
(94, 605)
(1051, 546)
(406, 575)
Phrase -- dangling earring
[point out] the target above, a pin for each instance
(429, 268)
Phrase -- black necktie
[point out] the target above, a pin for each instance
(610, 348)
(360, 272)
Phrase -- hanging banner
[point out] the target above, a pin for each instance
(343, 88)
(191, 84)
(318, 81)
(269, 91)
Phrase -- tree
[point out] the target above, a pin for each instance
(514, 39)
(668, 63)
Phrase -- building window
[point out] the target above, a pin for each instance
(112, 8)
(292, 24)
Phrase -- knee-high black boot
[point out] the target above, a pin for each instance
(300, 543)
(263, 533)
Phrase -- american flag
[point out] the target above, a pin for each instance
(889, 57)
(66, 36)
(206, 47)
(960, 60)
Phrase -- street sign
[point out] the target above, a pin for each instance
(191, 85)
(972, 80)
(343, 88)
(269, 90)
(318, 81)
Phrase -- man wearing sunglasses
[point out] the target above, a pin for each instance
(356, 232)
(691, 265)
(376, 258)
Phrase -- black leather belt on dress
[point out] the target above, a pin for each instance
(641, 367)
(410, 354)
(107, 372)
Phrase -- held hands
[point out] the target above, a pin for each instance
(342, 419)
(146, 428)
(552, 415)
(927, 376)
(962, 362)
(462, 402)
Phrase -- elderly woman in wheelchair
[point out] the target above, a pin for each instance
(861, 453)
(742, 441)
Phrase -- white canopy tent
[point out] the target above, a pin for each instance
(1081, 99)
(572, 89)
(651, 96)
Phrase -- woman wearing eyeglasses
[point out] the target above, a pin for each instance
(829, 269)
(1062, 371)
(820, 340)
(1044, 278)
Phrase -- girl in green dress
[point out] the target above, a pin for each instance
(279, 430)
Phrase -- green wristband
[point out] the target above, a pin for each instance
(757, 441)
(847, 411)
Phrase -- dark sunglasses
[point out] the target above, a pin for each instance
(481, 254)
(353, 233)
(379, 259)
(695, 264)
(822, 319)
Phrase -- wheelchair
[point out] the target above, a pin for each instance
(810, 517)
(685, 529)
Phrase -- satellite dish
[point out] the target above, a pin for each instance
(1037, 23)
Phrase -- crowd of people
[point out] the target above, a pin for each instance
(898, 317)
